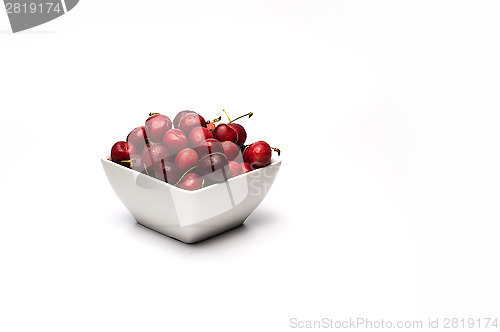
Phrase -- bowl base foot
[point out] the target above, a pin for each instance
(195, 238)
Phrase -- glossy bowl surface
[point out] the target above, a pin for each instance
(190, 216)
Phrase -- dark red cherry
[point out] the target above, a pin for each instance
(122, 151)
(234, 169)
(175, 140)
(153, 155)
(198, 135)
(191, 181)
(232, 151)
(258, 154)
(167, 171)
(186, 159)
(246, 167)
(156, 127)
(214, 167)
(191, 121)
(225, 133)
(138, 137)
(208, 146)
(179, 116)
(242, 134)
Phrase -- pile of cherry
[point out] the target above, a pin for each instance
(189, 152)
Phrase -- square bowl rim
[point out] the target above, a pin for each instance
(275, 161)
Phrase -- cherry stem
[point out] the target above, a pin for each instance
(131, 160)
(202, 182)
(249, 116)
(183, 175)
(151, 114)
(215, 120)
(276, 150)
(227, 115)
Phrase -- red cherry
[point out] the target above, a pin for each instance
(191, 181)
(242, 134)
(231, 150)
(190, 121)
(156, 127)
(179, 116)
(167, 171)
(258, 154)
(186, 159)
(175, 140)
(150, 144)
(138, 137)
(214, 167)
(122, 151)
(208, 146)
(153, 155)
(225, 133)
(246, 167)
(234, 169)
(198, 135)
(136, 163)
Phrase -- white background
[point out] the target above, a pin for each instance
(386, 206)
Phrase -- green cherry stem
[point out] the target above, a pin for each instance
(183, 175)
(218, 119)
(151, 114)
(276, 150)
(227, 115)
(131, 160)
(215, 120)
(249, 115)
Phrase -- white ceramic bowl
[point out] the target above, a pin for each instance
(190, 216)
